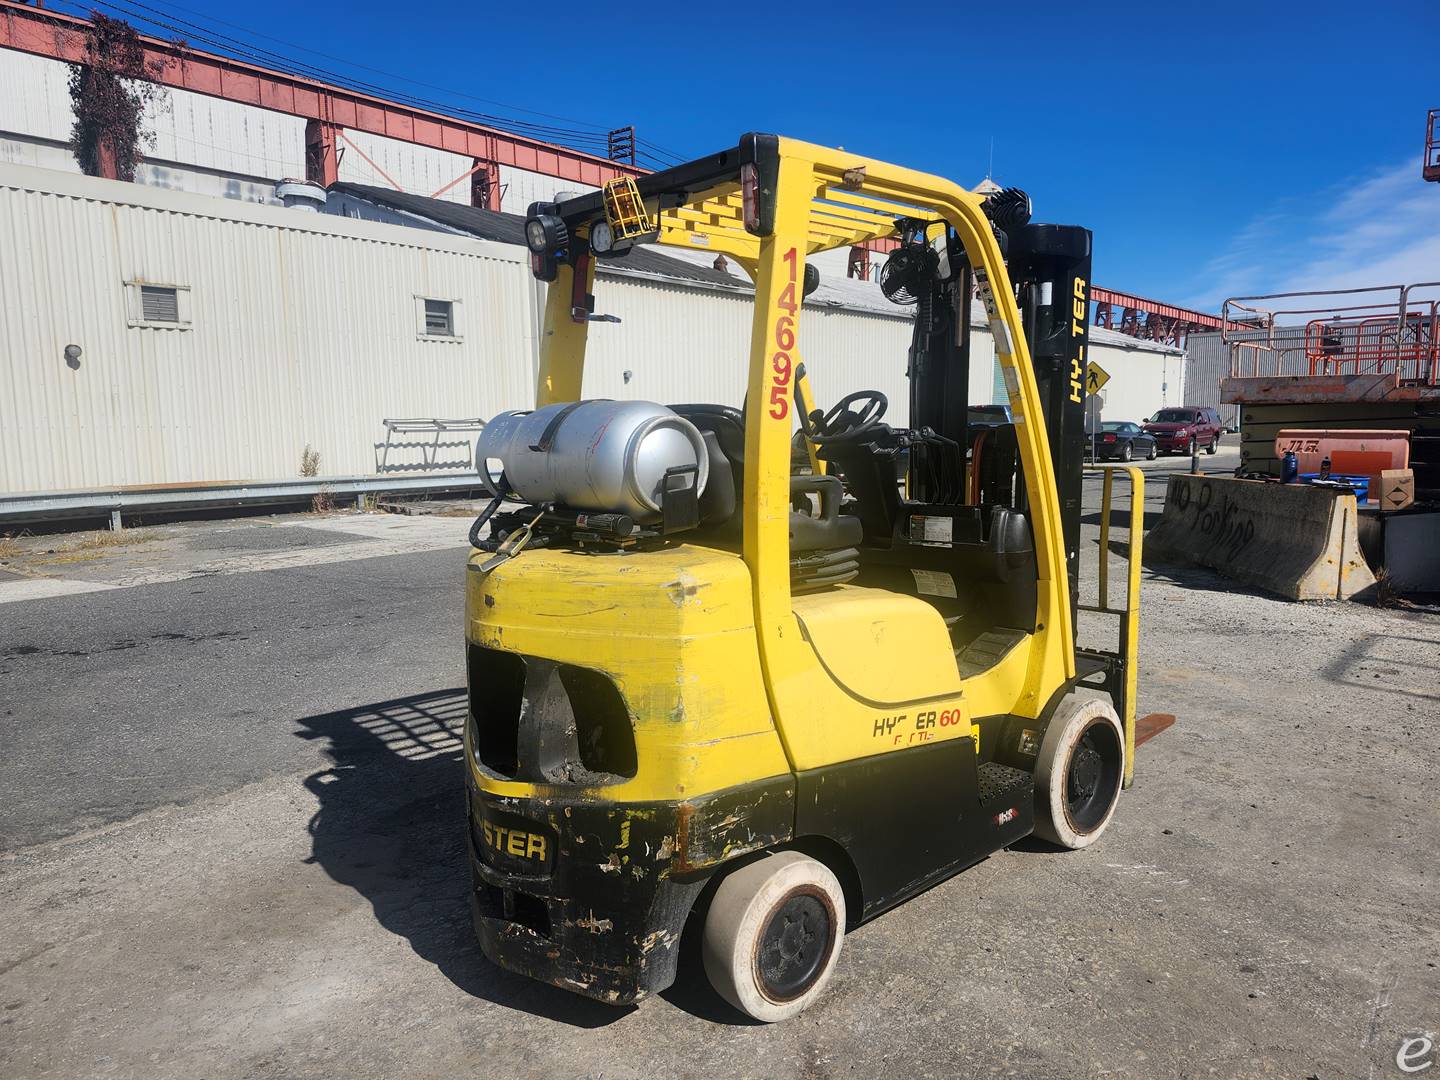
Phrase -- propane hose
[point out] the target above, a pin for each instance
(485, 516)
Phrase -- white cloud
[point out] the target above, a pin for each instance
(1382, 230)
(1386, 231)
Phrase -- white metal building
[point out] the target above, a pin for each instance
(1145, 376)
(219, 339)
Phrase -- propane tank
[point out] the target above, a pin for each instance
(600, 456)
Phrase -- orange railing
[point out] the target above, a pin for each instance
(1383, 330)
(1402, 343)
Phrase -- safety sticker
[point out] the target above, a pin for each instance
(929, 529)
(934, 583)
(1000, 332)
(1012, 383)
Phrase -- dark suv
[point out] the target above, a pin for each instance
(1183, 430)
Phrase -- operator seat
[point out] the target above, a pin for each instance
(723, 429)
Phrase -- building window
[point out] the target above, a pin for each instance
(159, 303)
(164, 306)
(438, 319)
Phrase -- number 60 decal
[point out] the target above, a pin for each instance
(781, 365)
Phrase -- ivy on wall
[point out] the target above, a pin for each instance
(110, 91)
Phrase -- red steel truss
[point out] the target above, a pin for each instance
(1149, 319)
(327, 108)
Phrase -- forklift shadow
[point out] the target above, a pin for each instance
(1198, 578)
(391, 825)
(1120, 519)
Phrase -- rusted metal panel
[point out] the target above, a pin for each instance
(1316, 389)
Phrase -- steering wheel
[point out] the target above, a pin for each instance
(844, 423)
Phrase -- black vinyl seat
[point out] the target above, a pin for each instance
(723, 429)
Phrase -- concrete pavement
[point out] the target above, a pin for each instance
(236, 851)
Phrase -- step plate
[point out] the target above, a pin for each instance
(987, 650)
(1007, 801)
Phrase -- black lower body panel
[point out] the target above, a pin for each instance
(592, 896)
(915, 816)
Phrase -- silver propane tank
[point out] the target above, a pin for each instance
(598, 456)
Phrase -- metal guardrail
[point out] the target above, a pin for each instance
(429, 448)
(1129, 615)
(115, 502)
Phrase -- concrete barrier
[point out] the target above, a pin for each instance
(1296, 540)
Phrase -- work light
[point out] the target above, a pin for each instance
(545, 234)
(602, 238)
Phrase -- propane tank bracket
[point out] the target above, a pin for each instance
(679, 502)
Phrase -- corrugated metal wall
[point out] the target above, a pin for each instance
(305, 331)
(683, 344)
(1208, 361)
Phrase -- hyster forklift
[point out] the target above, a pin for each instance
(768, 671)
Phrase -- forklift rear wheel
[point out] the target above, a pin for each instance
(1079, 770)
(773, 935)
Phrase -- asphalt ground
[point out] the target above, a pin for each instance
(232, 836)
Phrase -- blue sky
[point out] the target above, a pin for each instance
(1233, 148)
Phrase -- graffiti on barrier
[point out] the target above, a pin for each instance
(1227, 526)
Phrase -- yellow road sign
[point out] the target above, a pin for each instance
(1095, 377)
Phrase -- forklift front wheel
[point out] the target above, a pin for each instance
(1079, 770)
(773, 935)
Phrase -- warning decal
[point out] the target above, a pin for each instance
(928, 529)
(934, 583)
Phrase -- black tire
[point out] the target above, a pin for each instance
(1128, 453)
(1154, 452)
(773, 935)
(1194, 445)
(1214, 445)
(1079, 770)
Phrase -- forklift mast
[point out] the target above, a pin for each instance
(1050, 268)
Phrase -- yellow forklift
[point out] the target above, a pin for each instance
(770, 671)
